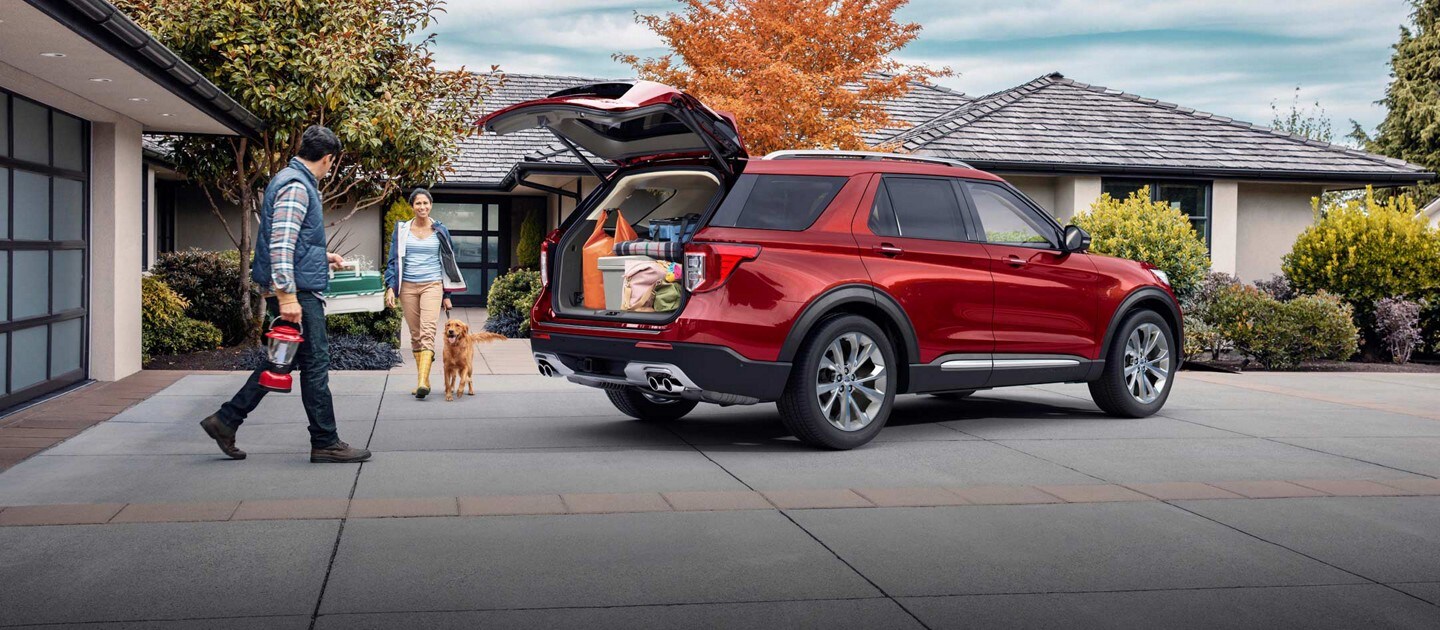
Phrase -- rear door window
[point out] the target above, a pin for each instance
(917, 207)
(777, 202)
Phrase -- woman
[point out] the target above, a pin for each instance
(421, 270)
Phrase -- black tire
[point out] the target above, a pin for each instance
(800, 406)
(636, 404)
(954, 395)
(1112, 392)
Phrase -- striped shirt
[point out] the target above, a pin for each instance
(290, 207)
(422, 258)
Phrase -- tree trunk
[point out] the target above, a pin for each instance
(251, 306)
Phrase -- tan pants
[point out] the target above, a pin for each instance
(421, 304)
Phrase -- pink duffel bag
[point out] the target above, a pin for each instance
(641, 276)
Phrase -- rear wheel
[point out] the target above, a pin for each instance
(1139, 367)
(840, 390)
(648, 407)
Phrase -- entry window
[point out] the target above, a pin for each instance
(1006, 219)
(1191, 198)
(917, 207)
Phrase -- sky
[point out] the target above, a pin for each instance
(1230, 57)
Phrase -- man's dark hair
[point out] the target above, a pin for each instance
(318, 142)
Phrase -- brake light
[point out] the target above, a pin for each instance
(709, 265)
(550, 238)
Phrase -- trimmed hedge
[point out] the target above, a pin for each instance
(164, 328)
(383, 326)
(210, 282)
(1281, 335)
(511, 297)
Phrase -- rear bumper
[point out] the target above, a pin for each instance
(695, 371)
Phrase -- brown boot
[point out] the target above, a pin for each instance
(223, 435)
(340, 453)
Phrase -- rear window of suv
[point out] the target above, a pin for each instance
(777, 202)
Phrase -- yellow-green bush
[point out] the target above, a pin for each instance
(164, 328)
(532, 233)
(1151, 231)
(1281, 335)
(1365, 250)
(399, 211)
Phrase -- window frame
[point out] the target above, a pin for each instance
(963, 220)
(1207, 186)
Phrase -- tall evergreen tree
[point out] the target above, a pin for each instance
(1411, 129)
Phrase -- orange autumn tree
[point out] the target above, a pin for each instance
(797, 74)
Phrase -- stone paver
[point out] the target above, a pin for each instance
(1176, 490)
(813, 499)
(1267, 489)
(291, 509)
(1094, 493)
(608, 503)
(512, 505)
(404, 507)
(78, 514)
(843, 614)
(176, 512)
(717, 500)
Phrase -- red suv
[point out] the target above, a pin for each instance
(827, 281)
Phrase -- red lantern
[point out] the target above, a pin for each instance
(282, 344)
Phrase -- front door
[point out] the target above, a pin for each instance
(481, 229)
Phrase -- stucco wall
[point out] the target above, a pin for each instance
(1270, 217)
(1041, 190)
(197, 226)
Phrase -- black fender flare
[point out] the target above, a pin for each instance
(840, 296)
(1146, 294)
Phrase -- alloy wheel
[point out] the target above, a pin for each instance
(1147, 363)
(850, 384)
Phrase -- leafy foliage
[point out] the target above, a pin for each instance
(1278, 286)
(1281, 335)
(1397, 322)
(532, 232)
(1366, 250)
(1201, 335)
(210, 283)
(1302, 121)
(796, 73)
(1411, 129)
(355, 66)
(1150, 231)
(382, 326)
(511, 297)
(400, 210)
(164, 328)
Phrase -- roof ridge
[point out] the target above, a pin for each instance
(1194, 113)
(961, 115)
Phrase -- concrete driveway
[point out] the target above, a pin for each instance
(1255, 500)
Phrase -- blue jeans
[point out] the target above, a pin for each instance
(313, 362)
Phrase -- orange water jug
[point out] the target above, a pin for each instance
(602, 244)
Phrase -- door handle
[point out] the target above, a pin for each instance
(1014, 261)
(887, 249)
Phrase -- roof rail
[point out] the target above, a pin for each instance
(861, 155)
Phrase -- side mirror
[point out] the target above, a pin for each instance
(1076, 239)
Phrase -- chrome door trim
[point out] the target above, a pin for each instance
(1034, 363)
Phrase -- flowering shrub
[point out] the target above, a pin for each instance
(1397, 323)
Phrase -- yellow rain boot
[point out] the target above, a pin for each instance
(423, 359)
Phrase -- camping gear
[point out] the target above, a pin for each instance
(282, 343)
(354, 291)
(667, 296)
(613, 269)
(641, 276)
(674, 230)
(601, 244)
(661, 250)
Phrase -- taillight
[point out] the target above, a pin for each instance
(709, 265)
(544, 264)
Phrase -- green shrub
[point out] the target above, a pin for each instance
(210, 282)
(1364, 250)
(532, 233)
(1150, 231)
(382, 326)
(399, 211)
(1200, 335)
(164, 328)
(510, 295)
(1281, 335)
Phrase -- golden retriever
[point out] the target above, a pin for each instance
(460, 357)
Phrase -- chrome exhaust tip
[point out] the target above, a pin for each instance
(655, 384)
(545, 369)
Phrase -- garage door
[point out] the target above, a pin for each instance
(44, 188)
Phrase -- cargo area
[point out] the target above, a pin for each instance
(637, 279)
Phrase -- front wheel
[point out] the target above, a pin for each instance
(1139, 367)
(648, 407)
(840, 390)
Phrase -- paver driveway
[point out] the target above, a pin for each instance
(534, 504)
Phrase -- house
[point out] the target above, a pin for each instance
(79, 86)
(1246, 188)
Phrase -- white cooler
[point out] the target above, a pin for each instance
(613, 268)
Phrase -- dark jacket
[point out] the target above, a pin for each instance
(450, 270)
(312, 270)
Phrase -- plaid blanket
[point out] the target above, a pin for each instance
(659, 250)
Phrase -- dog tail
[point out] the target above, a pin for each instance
(486, 337)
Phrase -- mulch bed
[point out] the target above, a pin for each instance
(223, 359)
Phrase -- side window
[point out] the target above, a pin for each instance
(777, 202)
(921, 208)
(1007, 220)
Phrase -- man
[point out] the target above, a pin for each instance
(292, 269)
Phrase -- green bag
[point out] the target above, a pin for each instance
(667, 297)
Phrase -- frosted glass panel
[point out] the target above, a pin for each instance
(4, 132)
(69, 210)
(32, 207)
(65, 344)
(32, 284)
(69, 149)
(4, 290)
(4, 199)
(4, 369)
(32, 131)
(68, 280)
(28, 366)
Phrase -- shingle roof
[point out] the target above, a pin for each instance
(1056, 124)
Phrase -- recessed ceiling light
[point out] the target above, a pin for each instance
(100, 80)
(167, 115)
(55, 55)
(139, 99)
